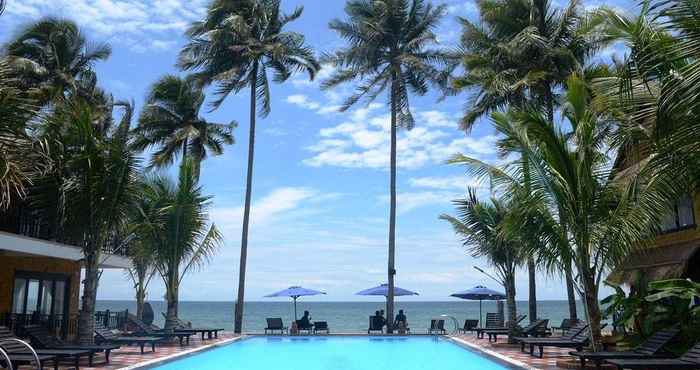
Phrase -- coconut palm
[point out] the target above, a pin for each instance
(171, 221)
(235, 47)
(88, 192)
(605, 216)
(388, 50)
(142, 269)
(479, 224)
(170, 120)
(57, 57)
(23, 157)
(518, 55)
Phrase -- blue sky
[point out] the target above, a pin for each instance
(320, 197)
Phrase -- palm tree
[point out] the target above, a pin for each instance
(171, 221)
(479, 224)
(88, 192)
(605, 216)
(234, 47)
(142, 268)
(24, 158)
(388, 51)
(56, 57)
(518, 55)
(170, 120)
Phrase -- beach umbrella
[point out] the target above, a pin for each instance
(480, 293)
(295, 292)
(384, 291)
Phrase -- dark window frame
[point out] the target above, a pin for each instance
(41, 277)
(676, 215)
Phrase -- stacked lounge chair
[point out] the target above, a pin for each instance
(147, 330)
(307, 328)
(12, 347)
(565, 325)
(689, 361)
(649, 349)
(375, 324)
(42, 338)
(576, 337)
(103, 335)
(183, 326)
(437, 327)
(274, 324)
(493, 321)
(321, 326)
(469, 325)
(535, 329)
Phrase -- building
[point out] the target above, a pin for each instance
(674, 252)
(40, 275)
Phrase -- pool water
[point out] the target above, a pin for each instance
(337, 353)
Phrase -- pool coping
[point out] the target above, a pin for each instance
(457, 341)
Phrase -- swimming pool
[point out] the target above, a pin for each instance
(338, 353)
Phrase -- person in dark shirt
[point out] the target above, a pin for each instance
(305, 321)
(400, 318)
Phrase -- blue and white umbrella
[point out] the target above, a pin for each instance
(383, 290)
(295, 292)
(480, 293)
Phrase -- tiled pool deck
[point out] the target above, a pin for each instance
(129, 357)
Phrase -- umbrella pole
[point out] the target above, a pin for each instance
(295, 308)
(480, 314)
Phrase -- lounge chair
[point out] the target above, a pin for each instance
(493, 321)
(375, 324)
(42, 338)
(71, 356)
(307, 328)
(29, 360)
(689, 360)
(437, 326)
(183, 336)
(532, 330)
(275, 323)
(321, 326)
(469, 325)
(576, 337)
(565, 325)
(187, 327)
(103, 335)
(649, 349)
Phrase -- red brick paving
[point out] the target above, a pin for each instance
(548, 362)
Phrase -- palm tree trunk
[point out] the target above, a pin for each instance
(591, 304)
(571, 295)
(532, 299)
(172, 298)
(510, 303)
(140, 294)
(238, 315)
(86, 318)
(392, 210)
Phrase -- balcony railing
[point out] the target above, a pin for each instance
(24, 221)
(62, 326)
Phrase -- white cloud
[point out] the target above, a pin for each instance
(266, 209)
(118, 20)
(362, 141)
(459, 182)
(303, 101)
(409, 201)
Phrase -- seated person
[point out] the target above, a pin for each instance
(400, 320)
(380, 318)
(305, 322)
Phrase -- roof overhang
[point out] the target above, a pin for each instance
(666, 262)
(23, 245)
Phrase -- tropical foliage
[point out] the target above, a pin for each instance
(235, 47)
(390, 49)
(480, 225)
(171, 121)
(171, 221)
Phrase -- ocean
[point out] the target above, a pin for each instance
(345, 317)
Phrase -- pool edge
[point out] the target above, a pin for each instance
(175, 356)
(493, 354)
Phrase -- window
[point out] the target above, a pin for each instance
(681, 217)
(42, 293)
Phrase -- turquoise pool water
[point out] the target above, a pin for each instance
(337, 353)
